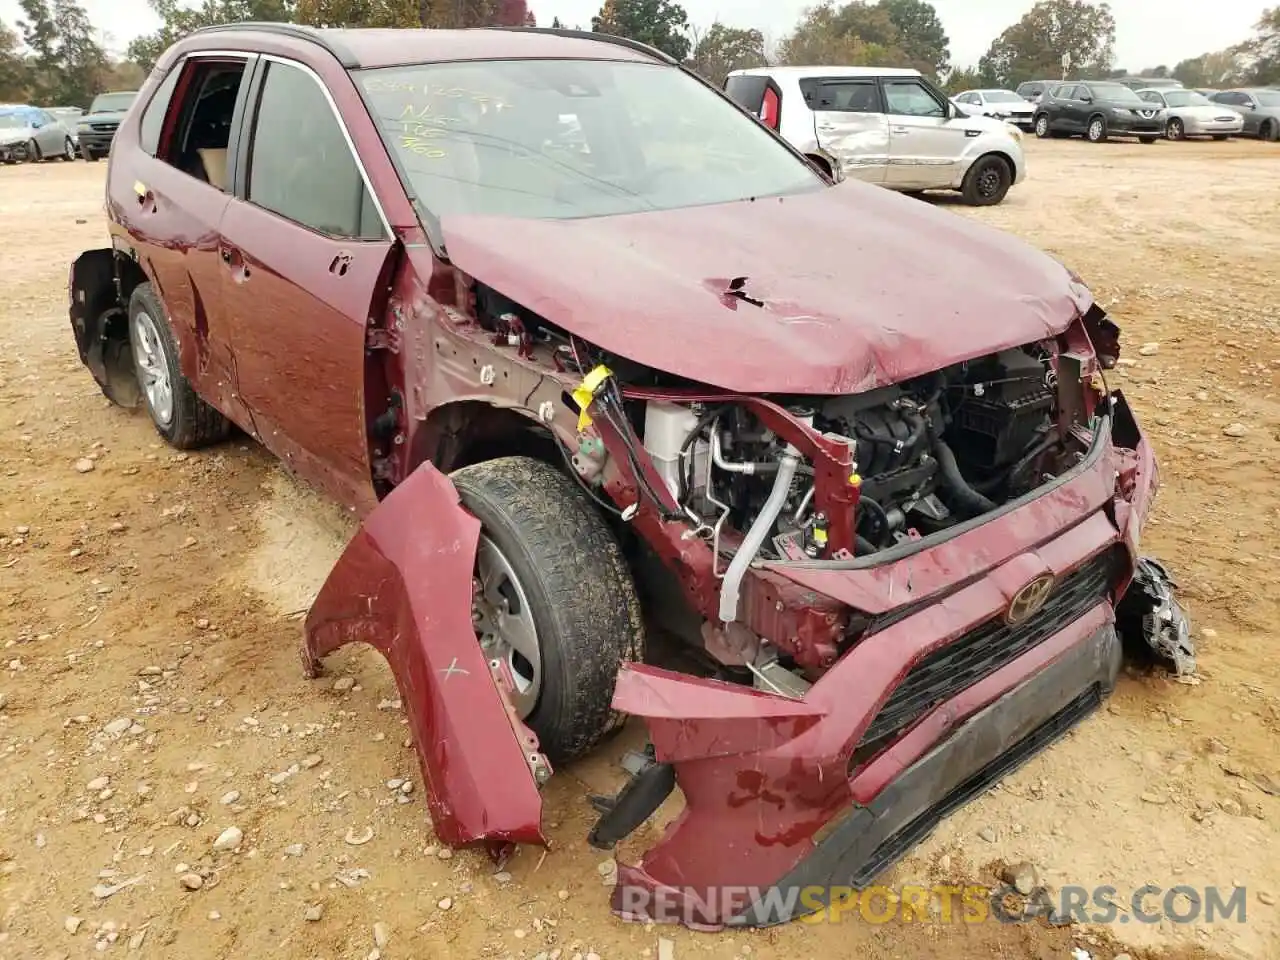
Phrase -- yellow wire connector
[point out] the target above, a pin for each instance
(585, 392)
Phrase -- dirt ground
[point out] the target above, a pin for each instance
(151, 695)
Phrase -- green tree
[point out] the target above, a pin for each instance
(1033, 47)
(15, 73)
(66, 63)
(856, 34)
(920, 34)
(556, 24)
(357, 13)
(965, 78)
(659, 23)
(723, 49)
(1222, 68)
(1262, 52)
(177, 20)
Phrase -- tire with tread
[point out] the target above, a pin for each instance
(1096, 129)
(1269, 130)
(1041, 126)
(68, 151)
(581, 594)
(987, 166)
(195, 423)
(33, 152)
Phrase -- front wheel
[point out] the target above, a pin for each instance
(1269, 130)
(1096, 132)
(33, 152)
(987, 182)
(552, 598)
(91, 155)
(1041, 126)
(1174, 130)
(179, 414)
(68, 151)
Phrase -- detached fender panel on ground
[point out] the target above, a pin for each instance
(404, 586)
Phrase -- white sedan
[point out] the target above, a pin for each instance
(1000, 104)
(1192, 114)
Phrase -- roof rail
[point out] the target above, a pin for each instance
(294, 30)
(599, 37)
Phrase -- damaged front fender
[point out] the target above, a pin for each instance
(404, 586)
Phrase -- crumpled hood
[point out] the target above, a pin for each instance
(858, 287)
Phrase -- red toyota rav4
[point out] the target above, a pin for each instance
(598, 357)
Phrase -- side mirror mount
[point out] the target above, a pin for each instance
(1086, 99)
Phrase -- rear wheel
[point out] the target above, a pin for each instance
(1174, 129)
(179, 414)
(553, 599)
(987, 181)
(1096, 132)
(1041, 126)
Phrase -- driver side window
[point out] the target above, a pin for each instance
(909, 98)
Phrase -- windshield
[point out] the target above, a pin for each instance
(562, 139)
(1115, 91)
(1268, 98)
(1186, 98)
(1001, 96)
(13, 121)
(112, 102)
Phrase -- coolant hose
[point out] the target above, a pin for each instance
(751, 543)
(952, 479)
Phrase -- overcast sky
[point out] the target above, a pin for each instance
(1148, 32)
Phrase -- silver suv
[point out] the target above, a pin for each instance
(885, 126)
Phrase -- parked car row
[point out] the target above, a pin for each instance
(31, 134)
(1103, 109)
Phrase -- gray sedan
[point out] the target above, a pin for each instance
(1260, 107)
(1191, 114)
(29, 133)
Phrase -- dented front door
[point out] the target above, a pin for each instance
(404, 586)
(851, 126)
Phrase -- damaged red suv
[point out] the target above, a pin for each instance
(599, 359)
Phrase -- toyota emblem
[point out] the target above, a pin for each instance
(1028, 600)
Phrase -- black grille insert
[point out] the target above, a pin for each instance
(976, 655)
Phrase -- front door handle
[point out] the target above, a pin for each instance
(899, 129)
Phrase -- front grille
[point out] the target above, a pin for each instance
(104, 127)
(982, 651)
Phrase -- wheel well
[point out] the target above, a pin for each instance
(1003, 157)
(821, 162)
(473, 431)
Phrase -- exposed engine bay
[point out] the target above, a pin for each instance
(930, 453)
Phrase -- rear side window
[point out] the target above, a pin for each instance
(203, 113)
(747, 92)
(841, 95)
(301, 165)
(157, 110)
(757, 95)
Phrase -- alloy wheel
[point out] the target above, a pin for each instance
(504, 624)
(153, 366)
